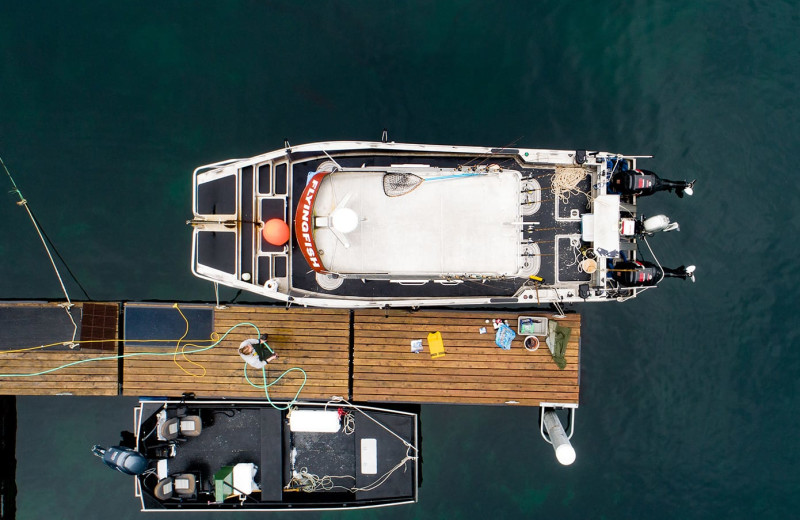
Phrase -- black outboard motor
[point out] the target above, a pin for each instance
(645, 182)
(125, 460)
(640, 273)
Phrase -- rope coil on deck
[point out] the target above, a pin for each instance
(564, 183)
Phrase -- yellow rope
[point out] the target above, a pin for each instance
(183, 350)
(111, 340)
(180, 346)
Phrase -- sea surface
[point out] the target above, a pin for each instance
(689, 394)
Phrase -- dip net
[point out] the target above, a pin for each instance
(396, 184)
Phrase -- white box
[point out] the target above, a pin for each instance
(369, 456)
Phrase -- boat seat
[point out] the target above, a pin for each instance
(170, 429)
(191, 425)
(183, 485)
(164, 489)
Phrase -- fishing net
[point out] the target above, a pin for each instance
(396, 184)
(565, 183)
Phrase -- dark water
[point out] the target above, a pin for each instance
(689, 394)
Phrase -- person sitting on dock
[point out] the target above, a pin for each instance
(256, 352)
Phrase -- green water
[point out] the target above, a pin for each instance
(688, 394)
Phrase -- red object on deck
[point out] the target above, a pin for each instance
(276, 232)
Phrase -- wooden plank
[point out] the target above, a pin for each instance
(87, 378)
(474, 370)
(315, 340)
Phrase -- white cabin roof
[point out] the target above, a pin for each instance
(453, 226)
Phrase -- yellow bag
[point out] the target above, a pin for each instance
(436, 345)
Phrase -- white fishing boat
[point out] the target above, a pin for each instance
(383, 224)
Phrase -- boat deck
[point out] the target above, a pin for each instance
(547, 239)
(363, 355)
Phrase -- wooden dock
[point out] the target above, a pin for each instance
(363, 355)
(473, 370)
(315, 340)
(32, 340)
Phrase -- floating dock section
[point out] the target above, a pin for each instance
(37, 338)
(147, 349)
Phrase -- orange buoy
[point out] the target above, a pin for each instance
(276, 232)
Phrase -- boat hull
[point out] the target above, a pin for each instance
(486, 227)
(250, 455)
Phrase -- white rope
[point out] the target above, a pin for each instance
(564, 183)
(348, 424)
(24, 203)
(309, 482)
(383, 478)
(337, 399)
(654, 258)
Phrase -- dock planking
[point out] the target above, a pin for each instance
(29, 326)
(315, 340)
(363, 355)
(474, 370)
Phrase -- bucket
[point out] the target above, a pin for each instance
(589, 265)
(531, 343)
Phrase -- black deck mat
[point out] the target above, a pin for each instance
(391, 451)
(163, 322)
(234, 437)
(25, 327)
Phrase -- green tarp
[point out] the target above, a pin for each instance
(557, 340)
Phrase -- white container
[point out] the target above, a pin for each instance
(532, 326)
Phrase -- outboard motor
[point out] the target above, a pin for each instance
(645, 182)
(640, 273)
(124, 460)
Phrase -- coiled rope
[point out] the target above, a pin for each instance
(309, 482)
(564, 183)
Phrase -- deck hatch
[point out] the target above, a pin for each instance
(264, 271)
(272, 208)
(265, 179)
(217, 197)
(217, 249)
(281, 179)
(280, 267)
(51, 324)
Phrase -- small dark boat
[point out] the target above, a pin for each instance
(203, 455)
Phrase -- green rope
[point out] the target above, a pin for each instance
(266, 386)
(134, 354)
